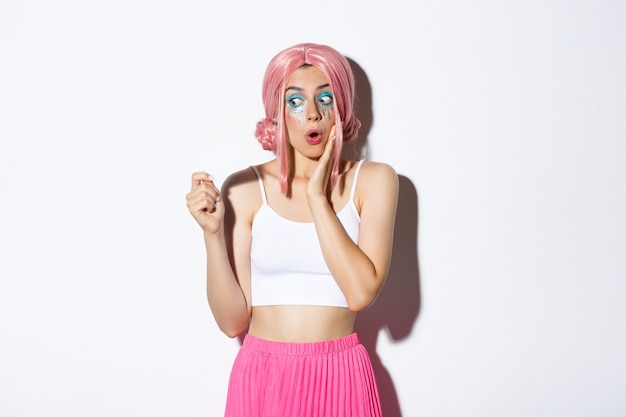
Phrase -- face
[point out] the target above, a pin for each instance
(309, 111)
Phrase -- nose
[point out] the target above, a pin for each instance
(313, 113)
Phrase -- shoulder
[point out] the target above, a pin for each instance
(239, 181)
(374, 174)
(377, 187)
(242, 193)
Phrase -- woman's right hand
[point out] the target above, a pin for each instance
(205, 203)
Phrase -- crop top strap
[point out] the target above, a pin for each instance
(258, 176)
(356, 176)
(262, 186)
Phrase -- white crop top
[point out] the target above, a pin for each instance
(287, 265)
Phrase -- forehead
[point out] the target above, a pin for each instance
(307, 76)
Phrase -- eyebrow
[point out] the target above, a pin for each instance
(319, 87)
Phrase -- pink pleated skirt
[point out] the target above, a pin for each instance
(319, 379)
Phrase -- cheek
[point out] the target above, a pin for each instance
(292, 124)
(328, 112)
(293, 115)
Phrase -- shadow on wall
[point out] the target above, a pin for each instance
(363, 108)
(399, 302)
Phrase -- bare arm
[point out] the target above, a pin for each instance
(359, 269)
(226, 240)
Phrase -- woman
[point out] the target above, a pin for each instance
(298, 245)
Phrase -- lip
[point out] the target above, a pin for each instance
(314, 136)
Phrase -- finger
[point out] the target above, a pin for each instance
(205, 193)
(205, 180)
(330, 146)
(198, 177)
(201, 203)
(332, 133)
(209, 193)
(332, 136)
(198, 207)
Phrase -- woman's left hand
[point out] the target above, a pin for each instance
(319, 183)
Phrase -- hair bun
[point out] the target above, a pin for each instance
(266, 134)
(351, 129)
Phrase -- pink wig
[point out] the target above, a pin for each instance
(270, 131)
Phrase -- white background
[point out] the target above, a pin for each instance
(505, 120)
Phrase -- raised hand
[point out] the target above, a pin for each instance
(204, 203)
(318, 184)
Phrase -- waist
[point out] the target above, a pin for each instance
(301, 348)
(296, 323)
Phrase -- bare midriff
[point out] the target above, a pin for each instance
(286, 323)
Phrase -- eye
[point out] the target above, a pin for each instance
(295, 100)
(325, 98)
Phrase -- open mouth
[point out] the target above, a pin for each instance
(314, 136)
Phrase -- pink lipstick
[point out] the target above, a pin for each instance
(314, 136)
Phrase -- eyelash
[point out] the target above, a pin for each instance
(325, 99)
(295, 100)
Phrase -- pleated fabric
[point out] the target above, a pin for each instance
(315, 379)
